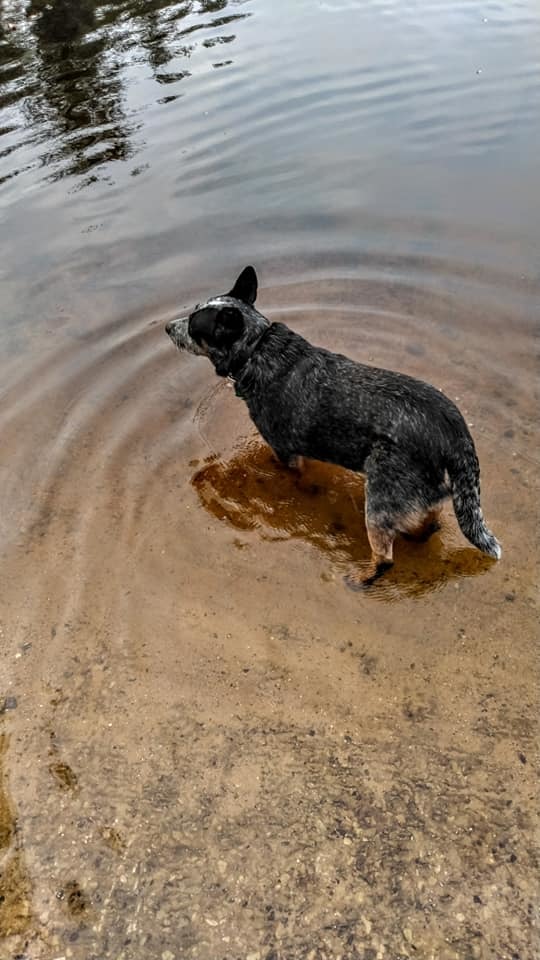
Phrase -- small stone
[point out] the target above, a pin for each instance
(167, 955)
(460, 917)
(8, 703)
(210, 922)
(407, 933)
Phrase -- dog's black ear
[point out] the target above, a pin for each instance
(245, 287)
(229, 327)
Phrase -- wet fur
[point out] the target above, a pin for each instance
(409, 440)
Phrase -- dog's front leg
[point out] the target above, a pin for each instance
(293, 462)
(296, 463)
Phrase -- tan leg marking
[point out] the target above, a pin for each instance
(381, 542)
(420, 526)
(296, 463)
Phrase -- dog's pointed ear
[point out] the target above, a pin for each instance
(245, 287)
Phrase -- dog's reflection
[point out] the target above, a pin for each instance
(324, 505)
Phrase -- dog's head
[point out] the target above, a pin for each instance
(225, 328)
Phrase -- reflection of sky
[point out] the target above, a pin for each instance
(326, 114)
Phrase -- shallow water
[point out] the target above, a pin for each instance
(209, 747)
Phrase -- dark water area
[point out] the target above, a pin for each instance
(139, 137)
(209, 747)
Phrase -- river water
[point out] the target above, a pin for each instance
(209, 747)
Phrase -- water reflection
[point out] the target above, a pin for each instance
(79, 92)
(65, 66)
(60, 21)
(324, 506)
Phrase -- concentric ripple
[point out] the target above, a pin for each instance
(210, 747)
(117, 419)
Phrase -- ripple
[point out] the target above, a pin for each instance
(440, 98)
(116, 411)
(85, 403)
(156, 561)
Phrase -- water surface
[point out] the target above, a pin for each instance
(209, 747)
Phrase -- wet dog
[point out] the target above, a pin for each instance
(408, 439)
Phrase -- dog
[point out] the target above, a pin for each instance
(406, 437)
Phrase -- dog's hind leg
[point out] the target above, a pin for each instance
(426, 527)
(381, 534)
(381, 542)
(398, 500)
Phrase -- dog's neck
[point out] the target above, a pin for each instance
(241, 359)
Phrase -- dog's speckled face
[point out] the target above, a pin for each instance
(224, 327)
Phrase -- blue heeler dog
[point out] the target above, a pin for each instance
(407, 438)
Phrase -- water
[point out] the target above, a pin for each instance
(210, 748)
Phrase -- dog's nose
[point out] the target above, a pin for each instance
(169, 326)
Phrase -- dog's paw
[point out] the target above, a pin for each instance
(358, 581)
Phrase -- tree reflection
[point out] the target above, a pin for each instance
(63, 64)
(81, 91)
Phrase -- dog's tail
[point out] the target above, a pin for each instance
(464, 472)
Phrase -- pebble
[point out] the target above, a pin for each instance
(8, 703)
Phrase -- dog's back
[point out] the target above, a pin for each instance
(338, 410)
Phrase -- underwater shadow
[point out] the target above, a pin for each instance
(324, 506)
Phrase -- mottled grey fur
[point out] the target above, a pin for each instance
(409, 440)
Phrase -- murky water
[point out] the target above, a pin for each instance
(209, 747)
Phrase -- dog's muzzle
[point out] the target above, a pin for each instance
(179, 334)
